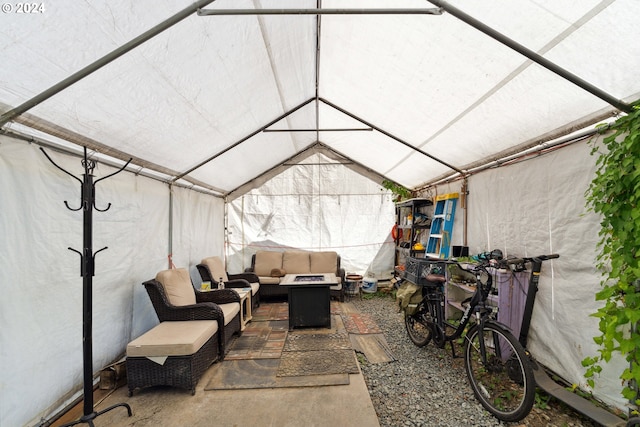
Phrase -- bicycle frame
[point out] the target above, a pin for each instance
(477, 306)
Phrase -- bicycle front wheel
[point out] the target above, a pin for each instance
(417, 326)
(499, 372)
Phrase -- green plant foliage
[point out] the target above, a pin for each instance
(542, 400)
(397, 189)
(614, 193)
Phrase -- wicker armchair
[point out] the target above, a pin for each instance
(212, 269)
(174, 298)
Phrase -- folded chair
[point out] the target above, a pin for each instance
(212, 270)
(175, 299)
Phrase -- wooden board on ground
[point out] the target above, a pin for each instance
(373, 346)
(348, 307)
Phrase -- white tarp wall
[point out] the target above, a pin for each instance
(538, 207)
(41, 304)
(314, 205)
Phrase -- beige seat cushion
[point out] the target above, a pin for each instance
(177, 286)
(229, 310)
(268, 280)
(324, 262)
(267, 261)
(255, 287)
(216, 267)
(294, 262)
(173, 339)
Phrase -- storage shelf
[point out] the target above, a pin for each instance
(412, 233)
(466, 288)
(456, 305)
(416, 227)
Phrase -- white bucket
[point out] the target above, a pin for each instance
(369, 285)
(353, 284)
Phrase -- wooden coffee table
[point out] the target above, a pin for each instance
(309, 299)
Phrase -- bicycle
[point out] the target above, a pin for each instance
(543, 381)
(495, 362)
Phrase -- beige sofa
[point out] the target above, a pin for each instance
(271, 266)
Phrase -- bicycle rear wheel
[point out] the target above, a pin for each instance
(419, 333)
(502, 380)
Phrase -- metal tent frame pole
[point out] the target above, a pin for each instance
(382, 131)
(96, 65)
(87, 271)
(535, 57)
(319, 11)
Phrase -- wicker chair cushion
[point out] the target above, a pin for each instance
(177, 286)
(294, 262)
(266, 261)
(173, 339)
(324, 262)
(230, 310)
(254, 288)
(216, 268)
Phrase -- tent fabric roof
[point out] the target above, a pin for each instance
(413, 97)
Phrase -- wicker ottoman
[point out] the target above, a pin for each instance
(173, 353)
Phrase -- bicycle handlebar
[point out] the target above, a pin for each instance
(496, 262)
(523, 259)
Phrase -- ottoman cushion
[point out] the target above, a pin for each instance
(173, 339)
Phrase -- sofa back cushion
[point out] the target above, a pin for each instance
(216, 268)
(295, 262)
(323, 262)
(267, 261)
(177, 286)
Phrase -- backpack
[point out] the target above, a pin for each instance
(408, 297)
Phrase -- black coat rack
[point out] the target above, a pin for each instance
(87, 271)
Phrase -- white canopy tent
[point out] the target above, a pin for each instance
(216, 102)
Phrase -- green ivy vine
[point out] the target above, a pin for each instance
(614, 194)
(397, 189)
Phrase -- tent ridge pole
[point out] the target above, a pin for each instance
(235, 144)
(353, 116)
(96, 65)
(321, 11)
(535, 57)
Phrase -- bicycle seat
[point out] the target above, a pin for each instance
(435, 278)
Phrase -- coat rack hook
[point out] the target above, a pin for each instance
(78, 252)
(98, 251)
(70, 208)
(105, 177)
(65, 171)
(59, 167)
(81, 259)
(101, 210)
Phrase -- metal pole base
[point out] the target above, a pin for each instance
(88, 419)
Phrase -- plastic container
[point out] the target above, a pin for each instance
(370, 284)
(353, 284)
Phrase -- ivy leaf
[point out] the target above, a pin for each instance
(614, 194)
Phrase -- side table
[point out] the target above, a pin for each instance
(245, 303)
(245, 307)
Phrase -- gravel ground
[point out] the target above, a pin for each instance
(426, 387)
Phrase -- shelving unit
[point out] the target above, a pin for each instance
(511, 288)
(411, 223)
(510, 300)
